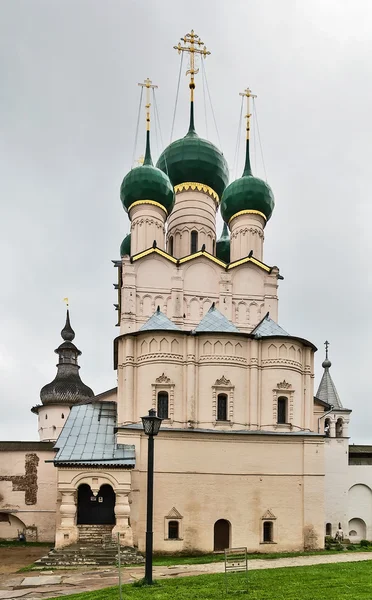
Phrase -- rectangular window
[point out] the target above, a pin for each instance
(194, 242)
(268, 531)
(282, 410)
(222, 407)
(163, 405)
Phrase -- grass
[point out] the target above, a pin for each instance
(343, 581)
(15, 543)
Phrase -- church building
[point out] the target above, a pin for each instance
(247, 454)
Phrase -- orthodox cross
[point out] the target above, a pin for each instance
(192, 46)
(140, 160)
(248, 94)
(326, 343)
(65, 300)
(148, 85)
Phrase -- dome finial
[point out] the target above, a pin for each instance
(67, 332)
(148, 85)
(192, 46)
(326, 363)
(247, 167)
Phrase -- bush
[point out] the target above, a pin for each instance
(364, 543)
(351, 547)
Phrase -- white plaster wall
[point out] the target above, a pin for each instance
(238, 478)
(39, 517)
(336, 483)
(360, 495)
(51, 420)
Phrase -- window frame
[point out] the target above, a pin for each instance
(165, 394)
(164, 384)
(193, 241)
(223, 386)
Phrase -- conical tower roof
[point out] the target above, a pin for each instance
(67, 387)
(327, 390)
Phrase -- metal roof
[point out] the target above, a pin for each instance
(268, 327)
(214, 321)
(327, 390)
(88, 438)
(158, 321)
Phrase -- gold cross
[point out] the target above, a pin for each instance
(248, 94)
(193, 40)
(148, 85)
(65, 300)
(140, 160)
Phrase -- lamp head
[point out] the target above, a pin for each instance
(151, 423)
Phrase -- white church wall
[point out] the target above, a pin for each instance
(359, 500)
(28, 490)
(336, 483)
(207, 477)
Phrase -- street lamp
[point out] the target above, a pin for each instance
(151, 426)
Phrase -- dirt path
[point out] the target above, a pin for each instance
(13, 558)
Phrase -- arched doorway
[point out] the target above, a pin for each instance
(96, 510)
(221, 535)
(357, 530)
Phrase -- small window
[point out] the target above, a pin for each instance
(282, 410)
(173, 530)
(63, 416)
(163, 405)
(171, 245)
(339, 428)
(268, 531)
(46, 416)
(327, 427)
(213, 247)
(328, 528)
(222, 407)
(194, 242)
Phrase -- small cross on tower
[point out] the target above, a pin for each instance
(148, 85)
(248, 94)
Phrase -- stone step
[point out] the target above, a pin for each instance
(78, 555)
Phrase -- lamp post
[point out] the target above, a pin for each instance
(151, 426)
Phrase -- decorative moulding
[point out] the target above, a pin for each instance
(268, 516)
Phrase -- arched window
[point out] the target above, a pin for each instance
(163, 405)
(339, 428)
(171, 245)
(173, 530)
(193, 242)
(222, 407)
(282, 409)
(63, 416)
(268, 531)
(327, 429)
(328, 528)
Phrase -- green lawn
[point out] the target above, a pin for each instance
(343, 581)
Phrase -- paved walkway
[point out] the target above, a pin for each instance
(54, 584)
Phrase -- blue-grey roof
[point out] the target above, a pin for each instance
(268, 327)
(158, 321)
(214, 321)
(327, 390)
(88, 437)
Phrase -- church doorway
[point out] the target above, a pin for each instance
(221, 535)
(96, 510)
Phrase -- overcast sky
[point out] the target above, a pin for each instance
(68, 110)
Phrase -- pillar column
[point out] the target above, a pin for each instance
(67, 532)
(122, 514)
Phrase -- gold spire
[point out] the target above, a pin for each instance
(192, 46)
(148, 85)
(248, 94)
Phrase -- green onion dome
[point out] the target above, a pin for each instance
(193, 161)
(247, 195)
(125, 246)
(223, 245)
(147, 185)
